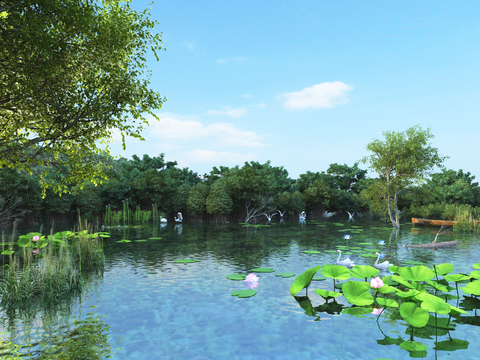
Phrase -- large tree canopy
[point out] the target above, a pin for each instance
(73, 72)
(403, 159)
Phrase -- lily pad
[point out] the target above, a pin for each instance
(357, 293)
(357, 311)
(452, 345)
(7, 252)
(244, 293)
(285, 274)
(365, 243)
(312, 252)
(337, 272)
(414, 315)
(471, 288)
(411, 345)
(443, 269)
(327, 295)
(417, 273)
(441, 308)
(318, 278)
(303, 280)
(364, 271)
(263, 270)
(457, 277)
(236, 277)
(475, 274)
(141, 240)
(123, 241)
(387, 302)
(185, 261)
(476, 266)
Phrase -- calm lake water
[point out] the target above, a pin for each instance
(157, 309)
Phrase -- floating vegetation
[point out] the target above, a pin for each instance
(236, 277)
(185, 261)
(244, 293)
(124, 241)
(154, 238)
(285, 274)
(312, 252)
(263, 270)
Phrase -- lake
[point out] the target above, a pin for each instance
(146, 306)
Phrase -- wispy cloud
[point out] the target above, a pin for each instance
(217, 157)
(324, 95)
(233, 59)
(172, 129)
(235, 113)
(262, 105)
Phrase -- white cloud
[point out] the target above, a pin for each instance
(170, 128)
(208, 156)
(233, 59)
(324, 95)
(235, 113)
(262, 105)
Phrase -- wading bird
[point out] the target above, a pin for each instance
(382, 266)
(345, 262)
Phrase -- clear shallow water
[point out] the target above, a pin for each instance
(161, 309)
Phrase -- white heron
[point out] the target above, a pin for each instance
(281, 213)
(302, 216)
(350, 216)
(346, 237)
(103, 227)
(180, 217)
(382, 266)
(269, 217)
(163, 220)
(345, 262)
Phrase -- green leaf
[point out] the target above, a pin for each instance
(386, 289)
(411, 345)
(236, 277)
(285, 274)
(142, 240)
(23, 240)
(407, 294)
(185, 261)
(123, 241)
(456, 277)
(357, 311)
(262, 270)
(472, 288)
(440, 308)
(437, 286)
(337, 272)
(244, 293)
(7, 252)
(303, 281)
(357, 293)
(452, 345)
(414, 315)
(312, 252)
(443, 269)
(327, 295)
(364, 271)
(386, 302)
(402, 281)
(318, 278)
(475, 274)
(417, 273)
(476, 266)
(155, 238)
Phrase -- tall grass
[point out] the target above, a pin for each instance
(466, 218)
(51, 271)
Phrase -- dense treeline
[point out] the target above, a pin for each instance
(227, 194)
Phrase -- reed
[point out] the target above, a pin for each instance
(466, 219)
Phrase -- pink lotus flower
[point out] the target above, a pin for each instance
(377, 311)
(376, 283)
(36, 238)
(35, 251)
(251, 281)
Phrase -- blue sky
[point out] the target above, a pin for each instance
(309, 83)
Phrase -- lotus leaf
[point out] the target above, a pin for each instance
(369, 255)
(386, 289)
(357, 293)
(185, 261)
(476, 266)
(457, 277)
(155, 238)
(330, 251)
(475, 274)
(142, 240)
(403, 281)
(407, 294)
(357, 311)
(364, 271)
(454, 310)
(394, 268)
(7, 252)
(387, 280)
(364, 243)
(327, 295)
(263, 270)
(123, 241)
(372, 250)
(387, 302)
(423, 296)
(417, 273)
(236, 277)
(312, 252)
(104, 235)
(318, 278)
(285, 274)
(443, 269)
(441, 322)
(472, 288)
(337, 272)
(452, 345)
(390, 341)
(414, 315)
(303, 280)
(23, 240)
(441, 308)
(437, 286)
(244, 293)
(411, 345)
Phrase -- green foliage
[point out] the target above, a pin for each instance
(218, 199)
(297, 202)
(197, 198)
(283, 201)
(88, 198)
(303, 281)
(71, 73)
(181, 198)
(402, 160)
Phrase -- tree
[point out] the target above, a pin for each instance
(73, 72)
(403, 159)
(218, 199)
(197, 198)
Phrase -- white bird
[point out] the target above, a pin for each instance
(302, 216)
(103, 227)
(269, 217)
(382, 266)
(163, 220)
(381, 242)
(350, 216)
(345, 262)
(180, 217)
(281, 213)
(346, 237)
